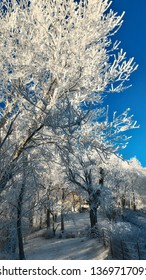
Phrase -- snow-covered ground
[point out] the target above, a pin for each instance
(80, 247)
(65, 249)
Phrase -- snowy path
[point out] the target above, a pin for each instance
(79, 248)
(64, 249)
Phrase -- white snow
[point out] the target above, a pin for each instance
(65, 249)
(78, 248)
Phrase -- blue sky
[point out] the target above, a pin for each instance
(133, 40)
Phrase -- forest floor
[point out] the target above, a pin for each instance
(74, 244)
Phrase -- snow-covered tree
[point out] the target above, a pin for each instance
(53, 48)
(50, 50)
(58, 60)
(126, 180)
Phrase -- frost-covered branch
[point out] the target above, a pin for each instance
(50, 49)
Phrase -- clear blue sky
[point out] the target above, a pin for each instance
(133, 40)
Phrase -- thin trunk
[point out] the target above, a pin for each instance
(19, 233)
(54, 217)
(19, 223)
(62, 211)
(41, 221)
(48, 220)
(101, 180)
(19, 215)
(62, 221)
(134, 200)
(74, 203)
(54, 229)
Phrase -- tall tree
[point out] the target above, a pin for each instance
(50, 50)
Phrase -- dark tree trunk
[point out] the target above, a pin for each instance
(54, 229)
(41, 221)
(62, 222)
(48, 220)
(19, 215)
(94, 202)
(19, 223)
(134, 201)
(93, 216)
(62, 211)
(101, 180)
(55, 218)
(19, 233)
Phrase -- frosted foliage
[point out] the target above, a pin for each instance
(126, 178)
(58, 47)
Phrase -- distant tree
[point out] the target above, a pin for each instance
(86, 150)
(126, 179)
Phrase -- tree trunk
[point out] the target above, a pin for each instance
(19, 224)
(54, 229)
(55, 218)
(62, 221)
(93, 216)
(19, 215)
(74, 203)
(134, 201)
(48, 220)
(93, 205)
(41, 221)
(19, 234)
(62, 211)
(101, 180)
